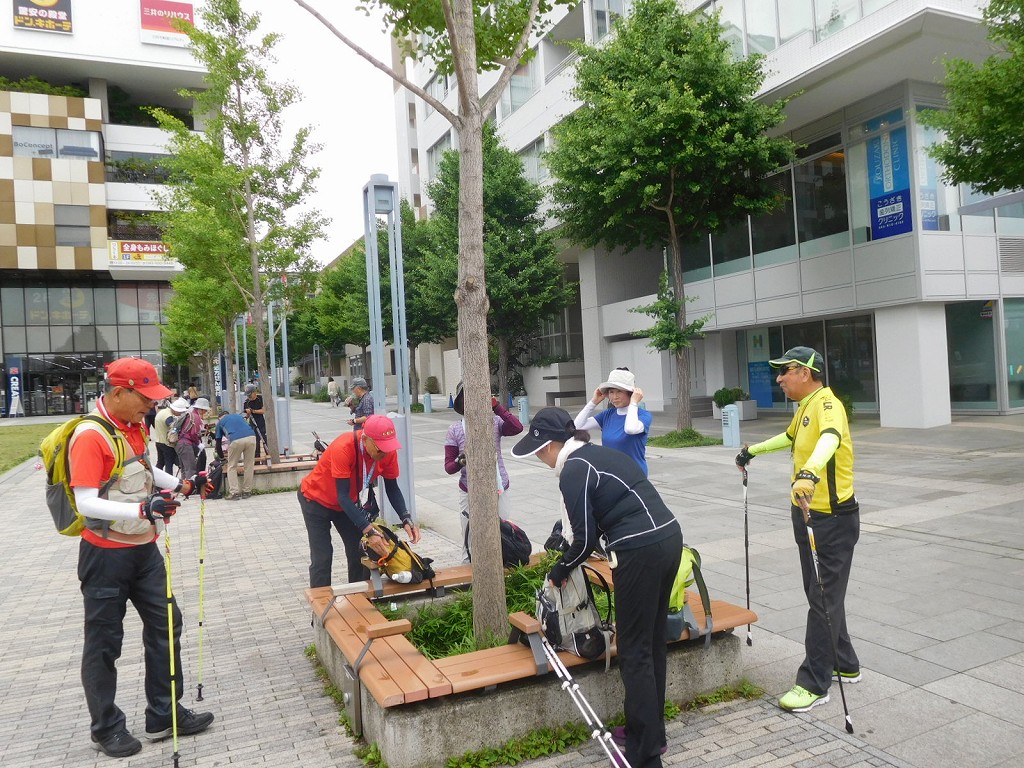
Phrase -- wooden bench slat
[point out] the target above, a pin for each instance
(373, 674)
(391, 653)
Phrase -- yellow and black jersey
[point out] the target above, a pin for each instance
(821, 412)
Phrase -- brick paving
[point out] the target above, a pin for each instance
(937, 563)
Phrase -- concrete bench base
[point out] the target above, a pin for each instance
(424, 734)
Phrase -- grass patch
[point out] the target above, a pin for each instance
(685, 438)
(744, 689)
(446, 629)
(21, 442)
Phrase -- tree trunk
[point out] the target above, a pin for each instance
(414, 377)
(684, 419)
(504, 354)
(490, 610)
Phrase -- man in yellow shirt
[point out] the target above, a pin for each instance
(822, 496)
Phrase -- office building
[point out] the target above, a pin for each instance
(911, 287)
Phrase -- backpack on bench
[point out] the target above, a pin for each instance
(569, 617)
(680, 615)
(396, 557)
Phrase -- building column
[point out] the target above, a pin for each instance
(913, 366)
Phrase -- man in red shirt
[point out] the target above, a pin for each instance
(118, 559)
(336, 490)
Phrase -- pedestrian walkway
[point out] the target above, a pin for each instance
(935, 608)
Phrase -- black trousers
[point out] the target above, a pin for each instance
(166, 458)
(109, 579)
(835, 537)
(643, 584)
(319, 520)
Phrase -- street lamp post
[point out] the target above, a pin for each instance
(380, 197)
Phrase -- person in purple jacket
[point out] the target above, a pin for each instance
(625, 426)
(505, 425)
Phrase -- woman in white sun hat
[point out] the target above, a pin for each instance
(624, 426)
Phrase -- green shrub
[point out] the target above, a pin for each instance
(729, 395)
(321, 396)
(433, 386)
(33, 84)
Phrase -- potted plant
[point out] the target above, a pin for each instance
(734, 396)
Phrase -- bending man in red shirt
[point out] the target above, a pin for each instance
(118, 560)
(337, 489)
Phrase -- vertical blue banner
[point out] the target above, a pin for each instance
(889, 184)
(760, 379)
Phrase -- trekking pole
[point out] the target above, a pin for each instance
(170, 640)
(746, 548)
(202, 569)
(600, 733)
(828, 617)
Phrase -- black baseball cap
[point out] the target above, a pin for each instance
(549, 424)
(805, 356)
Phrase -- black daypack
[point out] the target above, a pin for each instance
(516, 547)
(569, 617)
(215, 479)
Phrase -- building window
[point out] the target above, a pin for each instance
(605, 14)
(522, 86)
(834, 15)
(697, 260)
(53, 143)
(136, 167)
(435, 153)
(34, 142)
(72, 225)
(731, 20)
(438, 87)
(533, 164)
(773, 234)
(1013, 323)
(133, 225)
(795, 18)
(821, 205)
(730, 249)
(970, 340)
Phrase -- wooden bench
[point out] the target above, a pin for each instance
(394, 672)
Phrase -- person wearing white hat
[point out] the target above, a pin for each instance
(190, 437)
(166, 457)
(624, 426)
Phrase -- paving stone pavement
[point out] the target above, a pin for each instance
(935, 608)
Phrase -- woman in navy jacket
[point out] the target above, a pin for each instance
(607, 496)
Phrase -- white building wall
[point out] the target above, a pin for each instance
(913, 366)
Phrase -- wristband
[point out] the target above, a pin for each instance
(806, 474)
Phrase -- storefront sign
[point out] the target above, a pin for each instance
(43, 15)
(135, 252)
(156, 22)
(14, 407)
(889, 184)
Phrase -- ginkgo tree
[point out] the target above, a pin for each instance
(465, 38)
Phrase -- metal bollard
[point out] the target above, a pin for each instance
(524, 410)
(427, 406)
(731, 426)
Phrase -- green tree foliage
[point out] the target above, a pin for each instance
(235, 190)
(982, 145)
(199, 315)
(524, 277)
(34, 84)
(665, 334)
(669, 142)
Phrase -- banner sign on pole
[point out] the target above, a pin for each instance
(889, 184)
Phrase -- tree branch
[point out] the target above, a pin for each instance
(491, 99)
(450, 116)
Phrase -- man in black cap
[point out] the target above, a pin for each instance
(822, 497)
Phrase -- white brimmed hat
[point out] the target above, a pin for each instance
(201, 404)
(180, 405)
(620, 378)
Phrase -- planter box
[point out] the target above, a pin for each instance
(748, 410)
